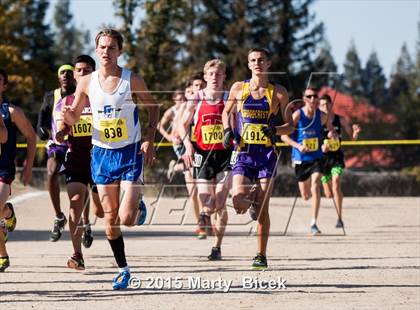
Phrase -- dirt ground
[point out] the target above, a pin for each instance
(375, 265)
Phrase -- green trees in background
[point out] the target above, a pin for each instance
(325, 69)
(26, 51)
(405, 103)
(374, 82)
(69, 41)
(188, 33)
(353, 73)
(30, 50)
(167, 41)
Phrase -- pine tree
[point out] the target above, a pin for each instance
(324, 68)
(126, 10)
(69, 40)
(159, 46)
(11, 50)
(229, 29)
(374, 81)
(405, 101)
(353, 73)
(39, 45)
(25, 52)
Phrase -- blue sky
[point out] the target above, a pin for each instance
(380, 25)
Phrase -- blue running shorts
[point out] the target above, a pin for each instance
(122, 164)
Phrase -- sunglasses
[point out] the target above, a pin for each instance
(311, 96)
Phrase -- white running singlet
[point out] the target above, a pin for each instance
(116, 122)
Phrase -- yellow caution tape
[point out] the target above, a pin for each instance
(345, 143)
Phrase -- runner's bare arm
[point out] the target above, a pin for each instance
(281, 100)
(327, 119)
(352, 131)
(3, 131)
(230, 106)
(25, 127)
(167, 118)
(289, 141)
(71, 114)
(185, 122)
(178, 119)
(183, 128)
(141, 92)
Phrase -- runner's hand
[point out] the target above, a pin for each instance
(227, 137)
(188, 156)
(303, 149)
(175, 140)
(270, 133)
(333, 134)
(59, 136)
(148, 151)
(356, 130)
(26, 173)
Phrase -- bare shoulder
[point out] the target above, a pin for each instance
(296, 115)
(281, 91)
(15, 110)
(83, 84)
(137, 82)
(237, 86)
(16, 113)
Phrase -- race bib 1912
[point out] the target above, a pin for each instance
(253, 134)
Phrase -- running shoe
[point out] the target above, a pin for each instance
(143, 213)
(171, 169)
(339, 224)
(58, 228)
(11, 220)
(216, 254)
(121, 281)
(315, 230)
(201, 233)
(253, 212)
(87, 237)
(76, 262)
(204, 222)
(4, 263)
(260, 262)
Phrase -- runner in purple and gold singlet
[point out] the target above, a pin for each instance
(257, 103)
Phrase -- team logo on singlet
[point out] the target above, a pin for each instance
(108, 110)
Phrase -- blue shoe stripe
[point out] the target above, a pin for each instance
(143, 213)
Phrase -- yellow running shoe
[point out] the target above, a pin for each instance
(11, 220)
(4, 263)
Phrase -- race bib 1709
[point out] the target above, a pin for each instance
(212, 134)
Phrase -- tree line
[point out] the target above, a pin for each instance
(173, 39)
